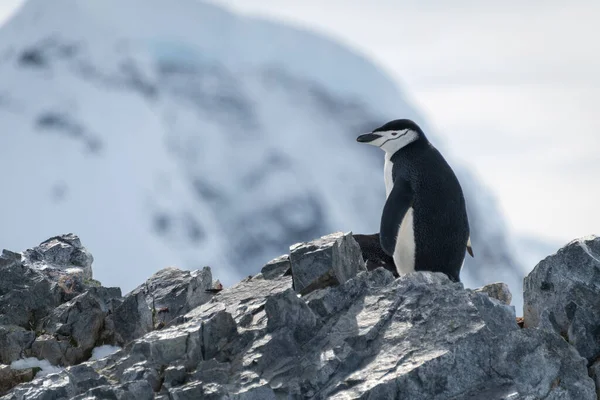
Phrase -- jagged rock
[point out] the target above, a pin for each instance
(64, 385)
(138, 390)
(131, 319)
(276, 267)
(13, 341)
(174, 376)
(541, 365)
(328, 261)
(498, 291)
(594, 371)
(217, 331)
(285, 310)
(172, 292)
(562, 293)
(168, 294)
(72, 331)
(35, 283)
(499, 317)
(26, 294)
(74, 328)
(63, 252)
(143, 372)
(369, 335)
(57, 352)
(417, 337)
(10, 258)
(212, 371)
(10, 378)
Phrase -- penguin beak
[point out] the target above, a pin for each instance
(367, 137)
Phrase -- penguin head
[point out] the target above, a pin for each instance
(394, 135)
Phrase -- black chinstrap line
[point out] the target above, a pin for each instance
(404, 134)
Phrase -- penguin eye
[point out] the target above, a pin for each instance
(394, 133)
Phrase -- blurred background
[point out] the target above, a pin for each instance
(194, 133)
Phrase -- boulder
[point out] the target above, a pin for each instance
(63, 253)
(277, 267)
(26, 294)
(172, 292)
(328, 261)
(13, 342)
(498, 291)
(562, 293)
(168, 294)
(10, 378)
(39, 280)
(130, 319)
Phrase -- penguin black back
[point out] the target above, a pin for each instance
(440, 219)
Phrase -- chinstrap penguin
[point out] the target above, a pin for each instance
(424, 225)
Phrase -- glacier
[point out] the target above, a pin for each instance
(180, 133)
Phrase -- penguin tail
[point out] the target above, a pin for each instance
(469, 248)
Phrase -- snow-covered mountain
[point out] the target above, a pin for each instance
(179, 133)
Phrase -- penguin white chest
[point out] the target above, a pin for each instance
(404, 251)
(387, 175)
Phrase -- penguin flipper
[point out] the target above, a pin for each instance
(397, 204)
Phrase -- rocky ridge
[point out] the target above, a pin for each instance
(327, 320)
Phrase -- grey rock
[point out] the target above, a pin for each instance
(131, 319)
(197, 390)
(285, 310)
(35, 283)
(174, 376)
(594, 372)
(107, 297)
(168, 345)
(26, 295)
(142, 372)
(263, 392)
(138, 390)
(562, 293)
(542, 365)
(66, 384)
(79, 324)
(10, 378)
(499, 317)
(328, 261)
(13, 341)
(172, 292)
(498, 291)
(217, 331)
(10, 258)
(167, 295)
(332, 300)
(73, 329)
(276, 267)
(64, 252)
(212, 371)
(57, 352)
(366, 335)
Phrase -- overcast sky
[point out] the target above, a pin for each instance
(513, 86)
